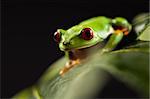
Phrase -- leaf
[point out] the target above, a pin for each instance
(141, 26)
(131, 66)
(84, 81)
(145, 35)
(140, 22)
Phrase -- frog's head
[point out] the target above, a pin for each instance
(77, 37)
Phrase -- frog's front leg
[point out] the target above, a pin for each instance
(68, 66)
(72, 62)
(121, 28)
(113, 41)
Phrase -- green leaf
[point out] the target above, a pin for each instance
(145, 35)
(84, 81)
(140, 22)
(141, 26)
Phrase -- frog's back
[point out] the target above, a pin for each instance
(99, 19)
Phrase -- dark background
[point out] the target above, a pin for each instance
(27, 35)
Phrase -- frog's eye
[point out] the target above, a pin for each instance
(87, 34)
(57, 36)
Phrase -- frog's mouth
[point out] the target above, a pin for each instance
(75, 48)
(82, 47)
(70, 47)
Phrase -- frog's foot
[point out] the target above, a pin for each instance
(125, 31)
(68, 66)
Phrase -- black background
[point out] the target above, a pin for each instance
(28, 26)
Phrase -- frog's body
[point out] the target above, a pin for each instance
(88, 33)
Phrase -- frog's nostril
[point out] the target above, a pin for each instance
(66, 43)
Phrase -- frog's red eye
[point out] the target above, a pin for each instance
(87, 34)
(57, 36)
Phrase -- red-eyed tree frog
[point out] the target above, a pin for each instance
(77, 40)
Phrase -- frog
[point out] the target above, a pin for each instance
(89, 33)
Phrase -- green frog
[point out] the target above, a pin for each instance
(76, 40)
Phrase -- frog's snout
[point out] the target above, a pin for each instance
(66, 43)
(64, 46)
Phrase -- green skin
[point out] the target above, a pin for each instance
(101, 27)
